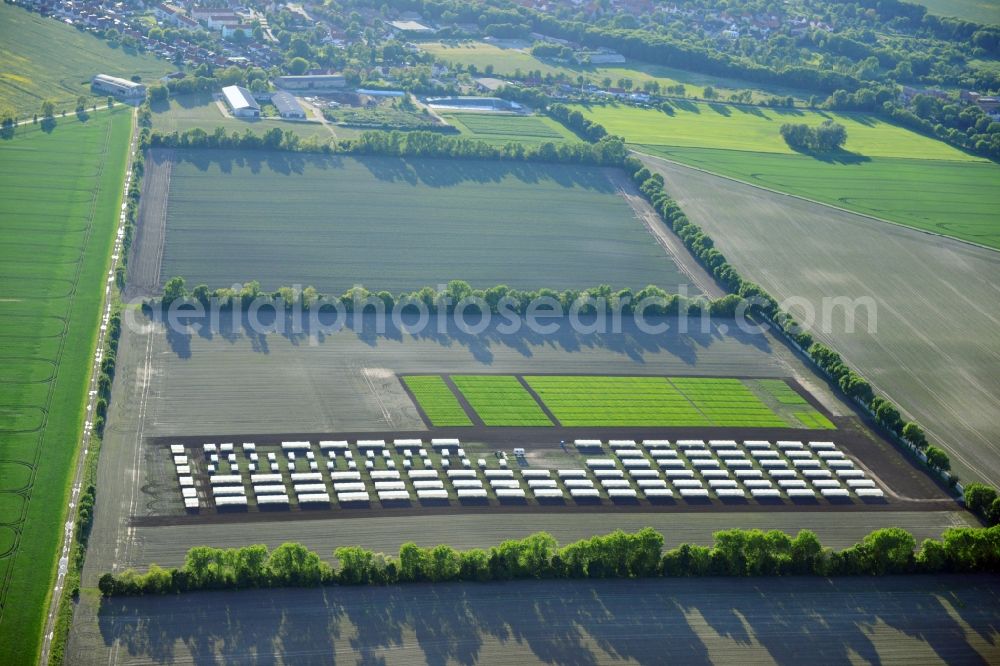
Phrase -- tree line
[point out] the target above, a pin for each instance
(735, 552)
(583, 127)
(499, 299)
(609, 151)
(827, 137)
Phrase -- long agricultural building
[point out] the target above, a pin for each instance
(241, 102)
(288, 106)
(122, 88)
(311, 82)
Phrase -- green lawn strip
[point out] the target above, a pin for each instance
(501, 400)
(89, 161)
(948, 197)
(437, 400)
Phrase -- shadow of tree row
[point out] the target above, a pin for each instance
(567, 622)
(684, 340)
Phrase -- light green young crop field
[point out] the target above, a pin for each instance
(500, 129)
(62, 193)
(751, 128)
(604, 400)
(957, 199)
(42, 58)
(436, 399)
(501, 400)
(886, 171)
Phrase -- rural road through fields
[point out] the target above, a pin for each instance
(920, 619)
(935, 340)
(67, 539)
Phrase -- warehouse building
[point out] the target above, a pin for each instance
(122, 88)
(311, 82)
(241, 102)
(288, 106)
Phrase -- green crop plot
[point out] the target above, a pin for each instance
(42, 58)
(62, 193)
(501, 400)
(436, 399)
(781, 392)
(599, 400)
(616, 401)
(496, 128)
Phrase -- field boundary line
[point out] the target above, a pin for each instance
(477, 420)
(69, 530)
(538, 399)
(814, 201)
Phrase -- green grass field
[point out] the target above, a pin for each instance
(501, 400)
(886, 171)
(436, 399)
(62, 192)
(398, 225)
(500, 129)
(42, 58)
(506, 61)
(200, 110)
(751, 128)
(980, 11)
(958, 199)
(604, 400)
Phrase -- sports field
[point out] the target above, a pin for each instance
(42, 58)
(924, 332)
(436, 399)
(509, 56)
(501, 400)
(62, 191)
(500, 128)
(886, 171)
(201, 110)
(389, 223)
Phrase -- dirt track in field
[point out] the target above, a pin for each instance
(914, 620)
(151, 232)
